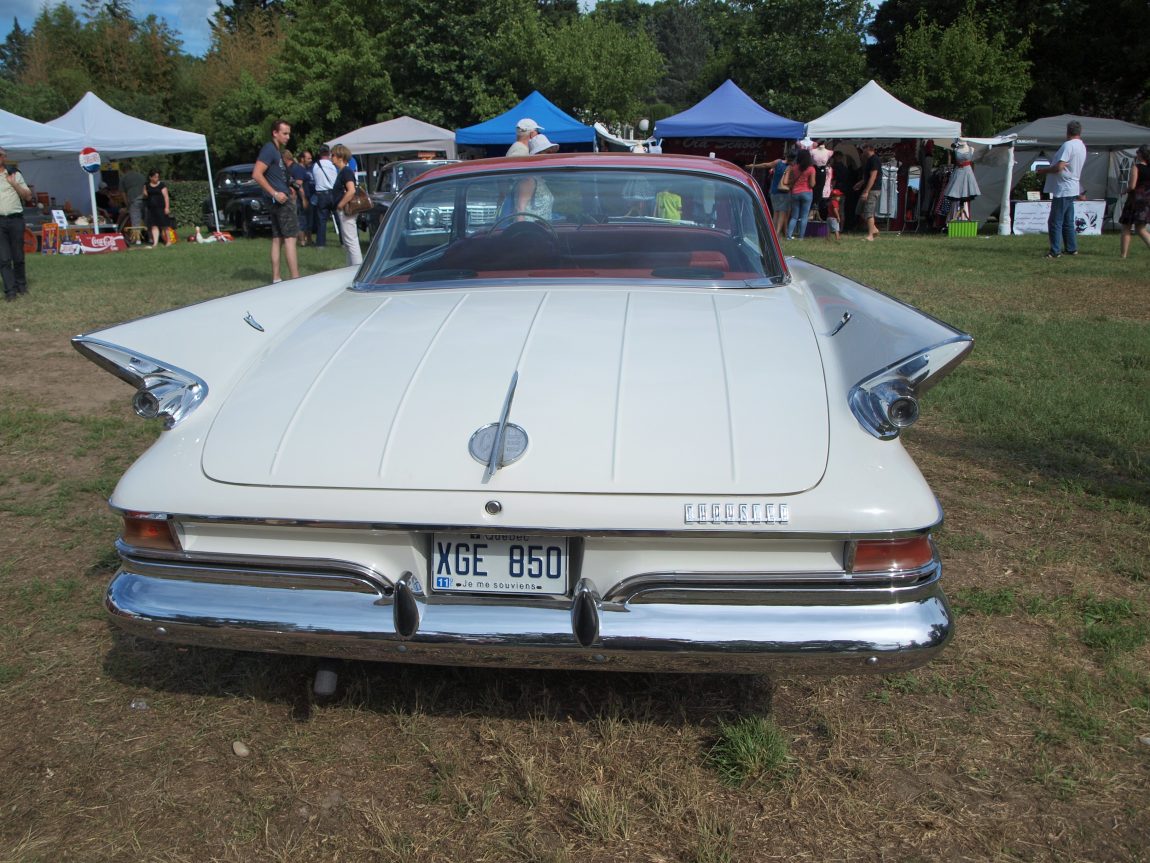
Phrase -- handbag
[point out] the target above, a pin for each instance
(359, 203)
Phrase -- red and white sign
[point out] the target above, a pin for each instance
(90, 160)
(102, 243)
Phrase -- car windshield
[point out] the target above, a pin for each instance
(404, 173)
(236, 178)
(574, 223)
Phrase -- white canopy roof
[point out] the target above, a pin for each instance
(401, 135)
(872, 112)
(26, 139)
(116, 135)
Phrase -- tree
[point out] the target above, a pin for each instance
(233, 102)
(688, 38)
(136, 65)
(798, 58)
(1084, 53)
(557, 12)
(455, 62)
(13, 52)
(598, 70)
(952, 70)
(330, 74)
(234, 16)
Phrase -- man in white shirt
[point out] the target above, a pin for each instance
(323, 172)
(14, 194)
(1063, 184)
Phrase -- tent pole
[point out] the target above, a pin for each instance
(1004, 225)
(92, 194)
(212, 188)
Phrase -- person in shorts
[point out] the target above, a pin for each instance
(272, 176)
(870, 188)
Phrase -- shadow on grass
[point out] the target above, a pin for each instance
(432, 690)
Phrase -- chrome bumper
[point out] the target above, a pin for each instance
(790, 629)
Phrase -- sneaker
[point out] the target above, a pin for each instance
(276, 281)
(1051, 255)
(1072, 254)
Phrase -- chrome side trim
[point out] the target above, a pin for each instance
(697, 584)
(253, 569)
(843, 321)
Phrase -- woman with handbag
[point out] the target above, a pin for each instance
(344, 193)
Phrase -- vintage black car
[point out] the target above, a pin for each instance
(243, 205)
(390, 180)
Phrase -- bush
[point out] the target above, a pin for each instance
(187, 197)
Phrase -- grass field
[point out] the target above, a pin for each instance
(1028, 740)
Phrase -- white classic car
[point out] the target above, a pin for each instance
(572, 411)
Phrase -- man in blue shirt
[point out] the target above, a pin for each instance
(272, 176)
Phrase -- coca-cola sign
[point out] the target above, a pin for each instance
(102, 243)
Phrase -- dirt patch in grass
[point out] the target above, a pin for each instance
(1021, 743)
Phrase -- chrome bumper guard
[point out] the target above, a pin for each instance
(786, 628)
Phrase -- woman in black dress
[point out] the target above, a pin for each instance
(1137, 211)
(157, 207)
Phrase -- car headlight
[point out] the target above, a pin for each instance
(163, 390)
(256, 204)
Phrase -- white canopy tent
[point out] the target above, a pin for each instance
(872, 113)
(401, 135)
(114, 135)
(26, 139)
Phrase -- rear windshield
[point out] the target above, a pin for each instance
(573, 223)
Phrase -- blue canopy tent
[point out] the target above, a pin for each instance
(732, 116)
(729, 113)
(498, 133)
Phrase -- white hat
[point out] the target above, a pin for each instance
(540, 144)
(528, 125)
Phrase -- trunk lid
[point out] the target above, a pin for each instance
(686, 392)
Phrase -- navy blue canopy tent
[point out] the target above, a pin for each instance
(498, 133)
(728, 113)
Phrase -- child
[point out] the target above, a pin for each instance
(834, 214)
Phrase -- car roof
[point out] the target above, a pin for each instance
(436, 162)
(239, 168)
(641, 161)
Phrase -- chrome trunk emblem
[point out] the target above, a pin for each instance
(483, 441)
(499, 443)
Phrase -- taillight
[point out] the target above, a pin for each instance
(146, 530)
(889, 555)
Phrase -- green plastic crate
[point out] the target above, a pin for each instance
(960, 228)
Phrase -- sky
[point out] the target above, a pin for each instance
(188, 18)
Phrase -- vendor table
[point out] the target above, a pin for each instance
(1030, 217)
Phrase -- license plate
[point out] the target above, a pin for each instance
(498, 563)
